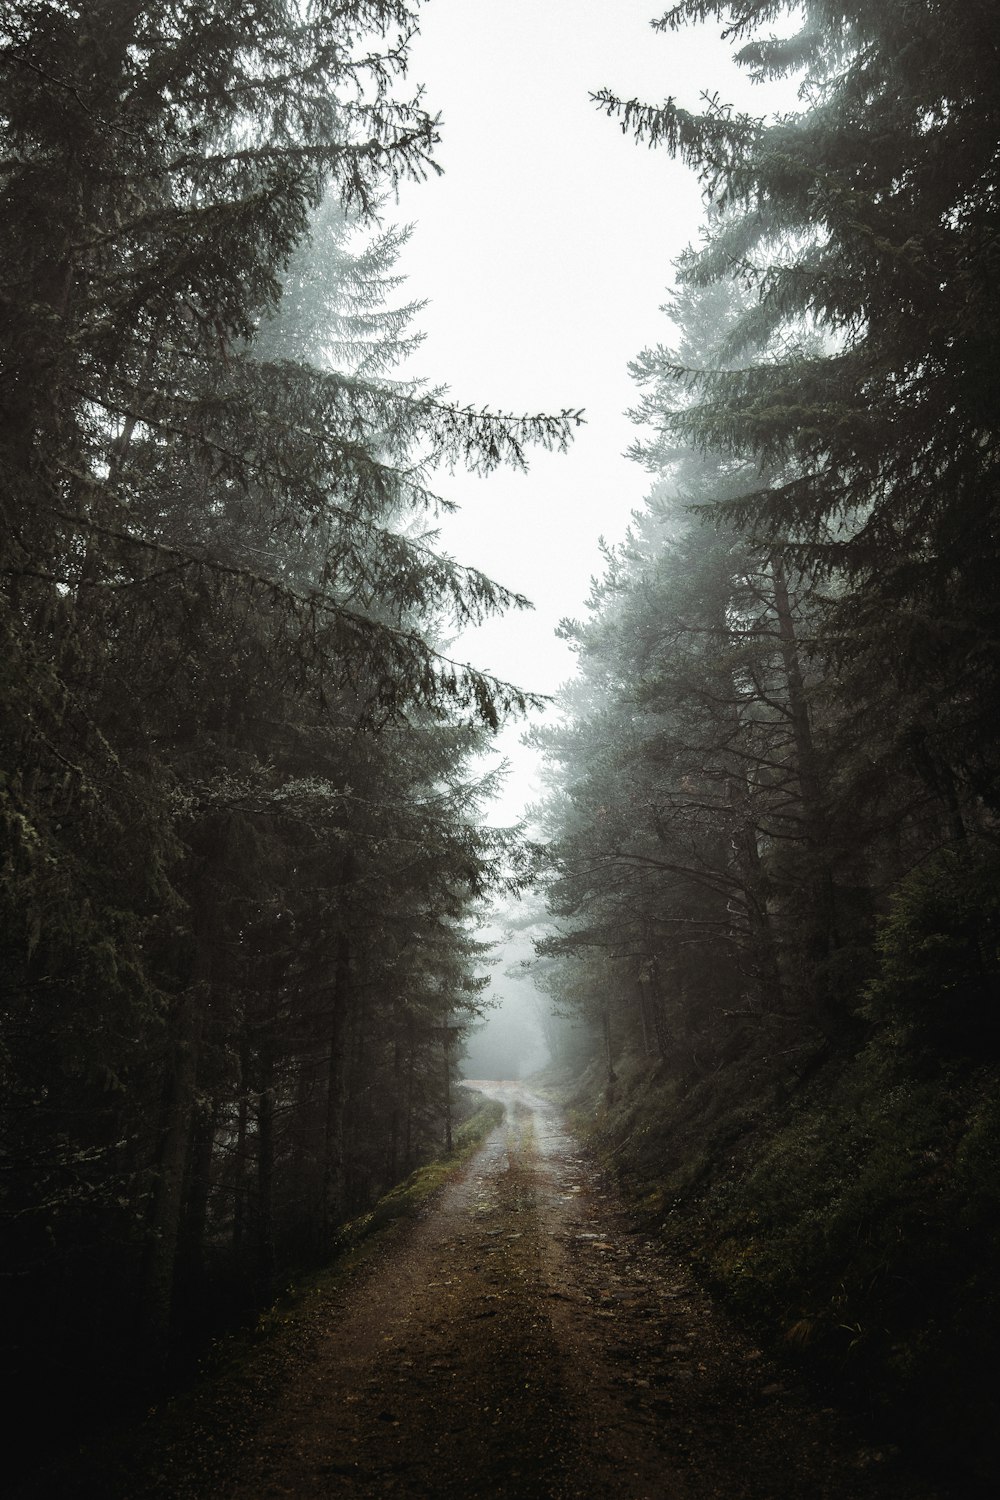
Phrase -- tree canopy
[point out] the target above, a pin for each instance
(773, 792)
(241, 833)
(860, 376)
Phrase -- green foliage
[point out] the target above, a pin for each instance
(240, 842)
(939, 952)
(859, 377)
(871, 1255)
(852, 1221)
(774, 887)
(409, 1198)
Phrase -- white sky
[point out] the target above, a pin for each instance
(545, 252)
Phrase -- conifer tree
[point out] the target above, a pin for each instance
(869, 215)
(230, 719)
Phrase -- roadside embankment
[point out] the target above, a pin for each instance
(850, 1218)
(188, 1443)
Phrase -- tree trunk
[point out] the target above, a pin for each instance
(657, 1007)
(392, 1159)
(242, 1125)
(446, 1065)
(264, 1237)
(168, 1194)
(642, 1004)
(188, 1021)
(336, 1083)
(197, 1188)
(608, 1052)
(763, 947)
(336, 1075)
(411, 1072)
(822, 936)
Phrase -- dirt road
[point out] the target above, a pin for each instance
(524, 1342)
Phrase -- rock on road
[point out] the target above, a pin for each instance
(524, 1341)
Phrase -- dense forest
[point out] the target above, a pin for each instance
(774, 884)
(240, 824)
(243, 851)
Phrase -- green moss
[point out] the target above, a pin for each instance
(408, 1198)
(852, 1218)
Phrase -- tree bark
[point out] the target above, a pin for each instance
(446, 1068)
(763, 946)
(187, 1025)
(242, 1125)
(264, 1227)
(822, 936)
(336, 1086)
(168, 1194)
(197, 1189)
(392, 1158)
(608, 1052)
(411, 1072)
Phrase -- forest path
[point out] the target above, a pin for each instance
(524, 1342)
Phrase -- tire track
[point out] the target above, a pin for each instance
(525, 1342)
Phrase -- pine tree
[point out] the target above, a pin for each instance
(870, 216)
(230, 717)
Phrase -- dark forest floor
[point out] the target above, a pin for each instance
(521, 1340)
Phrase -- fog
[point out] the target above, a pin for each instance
(509, 1042)
(546, 251)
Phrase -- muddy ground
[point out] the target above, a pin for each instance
(524, 1341)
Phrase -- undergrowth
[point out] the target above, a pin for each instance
(409, 1197)
(854, 1224)
(188, 1442)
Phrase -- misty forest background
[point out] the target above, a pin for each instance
(245, 864)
